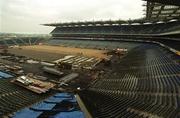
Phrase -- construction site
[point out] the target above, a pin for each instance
(95, 69)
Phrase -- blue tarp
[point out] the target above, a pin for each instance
(48, 105)
(42, 106)
(63, 95)
(74, 114)
(55, 99)
(64, 110)
(60, 99)
(5, 75)
(27, 113)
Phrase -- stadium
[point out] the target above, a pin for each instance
(96, 69)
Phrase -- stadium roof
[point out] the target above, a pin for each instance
(109, 23)
(167, 2)
(158, 11)
(86, 23)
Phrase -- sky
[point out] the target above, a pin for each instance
(25, 16)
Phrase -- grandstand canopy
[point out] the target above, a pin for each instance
(158, 11)
(167, 2)
(87, 23)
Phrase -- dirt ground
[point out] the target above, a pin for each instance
(51, 53)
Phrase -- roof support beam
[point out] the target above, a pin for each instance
(167, 2)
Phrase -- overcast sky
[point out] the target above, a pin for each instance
(25, 16)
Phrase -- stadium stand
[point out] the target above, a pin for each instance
(13, 98)
(92, 44)
(154, 28)
(20, 41)
(144, 84)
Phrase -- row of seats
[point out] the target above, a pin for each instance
(13, 98)
(121, 29)
(92, 44)
(19, 41)
(111, 105)
(145, 83)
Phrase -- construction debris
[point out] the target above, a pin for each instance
(49, 64)
(14, 69)
(32, 84)
(52, 71)
(68, 78)
(77, 62)
(31, 61)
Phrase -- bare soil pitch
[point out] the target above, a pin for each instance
(51, 53)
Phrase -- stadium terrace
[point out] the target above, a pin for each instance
(95, 69)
